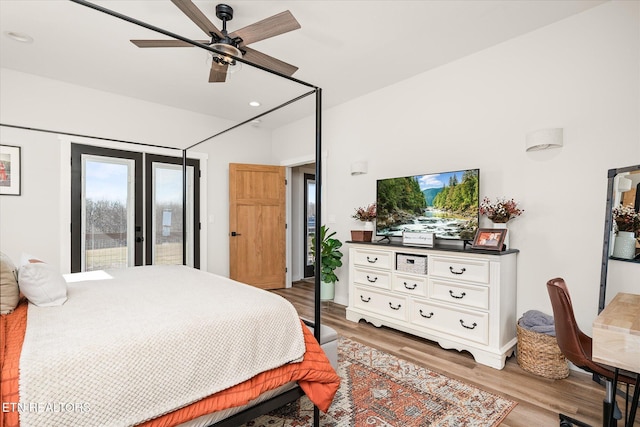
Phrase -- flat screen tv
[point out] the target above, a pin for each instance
(445, 204)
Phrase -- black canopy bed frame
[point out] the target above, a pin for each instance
(296, 392)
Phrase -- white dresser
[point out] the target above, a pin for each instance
(462, 299)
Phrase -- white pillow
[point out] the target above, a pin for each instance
(42, 284)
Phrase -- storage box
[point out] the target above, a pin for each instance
(361, 235)
(411, 263)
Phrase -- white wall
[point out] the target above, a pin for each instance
(582, 74)
(30, 223)
(37, 222)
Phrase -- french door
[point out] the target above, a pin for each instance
(108, 209)
(164, 224)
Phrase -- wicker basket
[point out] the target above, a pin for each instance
(539, 354)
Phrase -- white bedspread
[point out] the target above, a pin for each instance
(150, 340)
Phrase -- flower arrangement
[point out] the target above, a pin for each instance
(626, 218)
(500, 211)
(366, 213)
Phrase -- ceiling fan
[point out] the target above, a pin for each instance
(235, 43)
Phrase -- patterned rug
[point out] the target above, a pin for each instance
(379, 389)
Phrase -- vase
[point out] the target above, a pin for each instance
(624, 245)
(327, 291)
(368, 225)
(503, 226)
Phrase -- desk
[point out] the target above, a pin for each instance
(616, 342)
(616, 333)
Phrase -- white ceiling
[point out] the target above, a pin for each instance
(347, 48)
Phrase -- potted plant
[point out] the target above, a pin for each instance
(331, 259)
(501, 211)
(365, 214)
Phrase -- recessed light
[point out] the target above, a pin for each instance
(19, 37)
(254, 103)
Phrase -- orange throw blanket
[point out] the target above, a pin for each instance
(314, 374)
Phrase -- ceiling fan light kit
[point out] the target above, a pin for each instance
(234, 45)
(231, 53)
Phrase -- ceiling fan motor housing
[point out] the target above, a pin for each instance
(224, 12)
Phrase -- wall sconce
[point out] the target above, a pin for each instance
(544, 138)
(359, 168)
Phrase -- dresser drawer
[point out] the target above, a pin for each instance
(467, 324)
(474, 296)
(380, 303)
(412, 285)
(372, 258)
(470, 270)
(371, 277)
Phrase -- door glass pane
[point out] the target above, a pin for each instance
(107, 213)
(167, 233)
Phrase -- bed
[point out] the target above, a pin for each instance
(154, 346)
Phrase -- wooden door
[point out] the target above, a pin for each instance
(257, 228)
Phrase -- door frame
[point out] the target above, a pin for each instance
(307, 270)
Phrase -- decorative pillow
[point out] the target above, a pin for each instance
(9, 292)
(42, 284)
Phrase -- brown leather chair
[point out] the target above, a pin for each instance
(576, 345)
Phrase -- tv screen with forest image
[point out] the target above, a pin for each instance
(445, 204)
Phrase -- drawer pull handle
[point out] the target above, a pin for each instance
(462, 270)
(426, 316)
(372, 261)
(468, 327)
(364, 300)
(375, 279)
(395, 308)
(462, 295)
(415, 285)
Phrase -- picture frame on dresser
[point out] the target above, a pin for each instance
(10, 170)
(489, 238)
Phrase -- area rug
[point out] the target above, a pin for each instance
(379, 389)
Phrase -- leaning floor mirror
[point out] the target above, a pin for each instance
(621, 231)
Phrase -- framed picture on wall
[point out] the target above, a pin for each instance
(9, 170)
(489, 238)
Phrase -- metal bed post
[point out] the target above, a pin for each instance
(318, 246)
(184, 207)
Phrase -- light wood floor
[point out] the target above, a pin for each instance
(539, 399)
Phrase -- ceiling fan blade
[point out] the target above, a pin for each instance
(270, 62)
(191, 10)
(165, 43)
(218, 73)
(277, 24)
